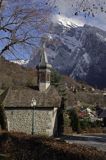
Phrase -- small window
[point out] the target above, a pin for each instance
(48, 77)
(42, 77)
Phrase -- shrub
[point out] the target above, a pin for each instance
(85, 123)
(75, 123)
(55, 78)
(2, 118)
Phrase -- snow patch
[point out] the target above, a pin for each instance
(71, 42)
(101, 37)
(65, 21)
(20, 62)
(86, 58)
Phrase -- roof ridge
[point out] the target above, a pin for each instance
(4, 95)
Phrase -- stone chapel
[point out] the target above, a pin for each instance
(34, 111)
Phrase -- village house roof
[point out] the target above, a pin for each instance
(22, 97)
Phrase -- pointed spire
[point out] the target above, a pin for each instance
(44, 68)
(43, 59)
(43, 55)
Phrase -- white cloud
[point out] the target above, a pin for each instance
(67, 8)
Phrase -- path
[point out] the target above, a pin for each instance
(98, 141)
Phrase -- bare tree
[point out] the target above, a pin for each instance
(83, 7)
(22, 23)
(90, 7)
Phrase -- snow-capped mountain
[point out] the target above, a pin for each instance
(78, 51)
(20, 62)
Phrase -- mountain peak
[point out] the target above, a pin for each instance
(65, 21)
(79, 52)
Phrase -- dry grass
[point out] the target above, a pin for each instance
(14, 75)
(20, 146)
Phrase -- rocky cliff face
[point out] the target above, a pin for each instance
(79, 52)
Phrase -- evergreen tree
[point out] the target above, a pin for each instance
(55, 78)
(75, 121)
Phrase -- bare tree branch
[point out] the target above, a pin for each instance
(21, 24)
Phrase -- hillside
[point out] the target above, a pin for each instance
(80, 94)
(12, 75)
(15, 75)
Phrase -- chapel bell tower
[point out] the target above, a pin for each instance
(44, 68)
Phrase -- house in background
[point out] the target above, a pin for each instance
(34, 111)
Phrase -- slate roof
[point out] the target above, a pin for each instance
(22, 97)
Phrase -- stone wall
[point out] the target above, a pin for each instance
(43, 86)
(43, 120)
(19, 120)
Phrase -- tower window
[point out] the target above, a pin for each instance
(42, 77)
(48, 76)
